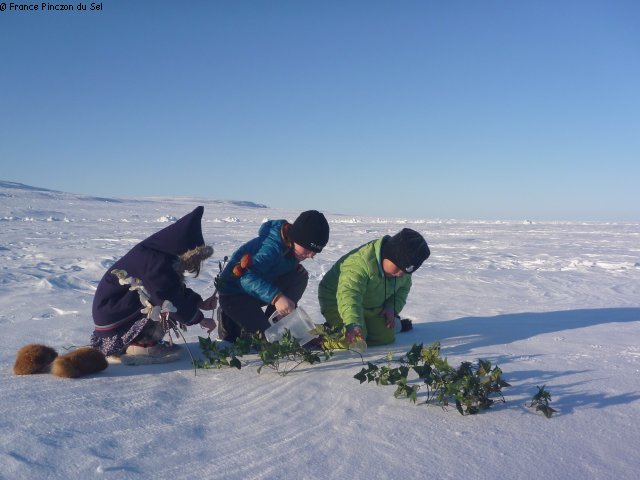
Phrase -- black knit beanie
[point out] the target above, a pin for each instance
(407, 249)
(310, 230)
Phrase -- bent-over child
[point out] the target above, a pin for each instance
(366, 289)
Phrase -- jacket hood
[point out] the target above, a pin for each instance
(179, 237)
(271, 228)
(377, 246)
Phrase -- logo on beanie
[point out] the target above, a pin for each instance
(410, 269)
(316, 246)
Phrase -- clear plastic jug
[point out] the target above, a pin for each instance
(297, 322)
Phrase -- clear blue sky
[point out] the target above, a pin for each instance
(429, 109)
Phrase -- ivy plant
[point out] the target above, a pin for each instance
(217, 356)
(282, 356)
(285, 355)
(470, 386)
(541, 402)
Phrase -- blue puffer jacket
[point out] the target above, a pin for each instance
(268, 257)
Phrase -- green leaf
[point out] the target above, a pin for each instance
(484, 367)
(362, 376)
(234, 362)
(423, 371)
(414, 354)
(547, 410)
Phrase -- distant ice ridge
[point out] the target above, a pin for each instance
(15, 189)
(206, 201)
(11, 218)
(21, 186)
(10, 189)
(166, 219)
(346, 220)
(397, 221)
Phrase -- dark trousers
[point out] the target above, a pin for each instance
(243, 312)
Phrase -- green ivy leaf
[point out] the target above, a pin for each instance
(362, 376)
(484, 367)
(234, 362)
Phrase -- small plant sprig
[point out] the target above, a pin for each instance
(472, 386)
(216, 281)
(217, 356)
(469, 386)
(283, 356)
(332, 339)
(541, 401)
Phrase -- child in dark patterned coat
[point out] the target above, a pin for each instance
(148, 279)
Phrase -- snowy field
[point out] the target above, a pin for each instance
(555, 303)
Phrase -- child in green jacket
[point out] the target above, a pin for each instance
(368, 287)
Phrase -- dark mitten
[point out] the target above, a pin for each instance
(406, 325)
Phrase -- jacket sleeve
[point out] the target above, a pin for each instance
(352, 284)
(163, 283)
(253, 280)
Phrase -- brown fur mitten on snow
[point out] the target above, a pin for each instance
(82, 361)
(34, 358)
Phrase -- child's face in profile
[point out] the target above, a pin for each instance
(391, 269)
(302, 253)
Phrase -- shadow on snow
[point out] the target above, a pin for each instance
(462, 335)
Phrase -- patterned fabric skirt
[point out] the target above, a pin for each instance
(117, 344)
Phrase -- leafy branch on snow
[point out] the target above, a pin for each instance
(282, 356)
(470, 386)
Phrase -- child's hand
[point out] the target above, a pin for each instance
(210, 303)
(284, 305)
(208, 323)
(353, 333)
(389, 317)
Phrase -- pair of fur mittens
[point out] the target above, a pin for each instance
(36, 358)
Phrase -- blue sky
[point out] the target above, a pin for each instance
(428, 109)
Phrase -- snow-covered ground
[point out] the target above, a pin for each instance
(555, 303)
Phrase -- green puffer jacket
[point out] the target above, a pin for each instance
(356, 283)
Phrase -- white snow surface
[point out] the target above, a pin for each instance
(551, 303)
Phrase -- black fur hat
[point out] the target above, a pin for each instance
(407, 249)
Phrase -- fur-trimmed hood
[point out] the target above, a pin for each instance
(191, 260)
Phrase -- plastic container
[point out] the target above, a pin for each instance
(297, 322)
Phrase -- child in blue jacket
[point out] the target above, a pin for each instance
(266, 271)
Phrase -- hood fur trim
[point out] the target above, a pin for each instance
(191, 260)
